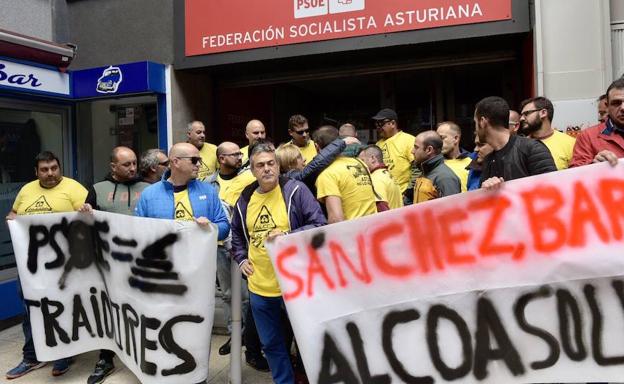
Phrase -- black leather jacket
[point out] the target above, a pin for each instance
(520, 157)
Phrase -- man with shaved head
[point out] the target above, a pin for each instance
(437, 179)
(454, 157)
(180, 196)
(254, 130)
(118, 192)
(347, 130)
(196, 135)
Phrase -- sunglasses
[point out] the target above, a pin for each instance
(302, 132)
(194, 159)
(381, 123)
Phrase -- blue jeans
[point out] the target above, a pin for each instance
(28, 350)
(269, 313)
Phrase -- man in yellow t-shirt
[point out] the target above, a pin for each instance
(196, 135)
(454, 157)
(385, 186)
(270, 207)
(299, 130)
(396, 146)
(254, 130)
(345, 185)
(535, 121)
(50, 193)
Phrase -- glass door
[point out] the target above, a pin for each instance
(25, 130)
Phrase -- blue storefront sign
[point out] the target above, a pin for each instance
(123, 79)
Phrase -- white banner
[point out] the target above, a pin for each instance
(515, 286)
(143, 288)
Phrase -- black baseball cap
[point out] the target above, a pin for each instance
(386, 113)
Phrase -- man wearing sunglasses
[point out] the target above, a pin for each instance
(196, 135)
(535, 119)
(180, 196)
(299, 130)
(605, 141)
(396, 146)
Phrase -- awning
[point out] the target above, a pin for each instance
(36, 50)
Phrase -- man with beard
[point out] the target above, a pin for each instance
(605, 141)
(481, 150)
(118, 193)
(535, 122)
(514, 156)
(50, 193)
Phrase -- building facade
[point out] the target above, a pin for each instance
(333, 61)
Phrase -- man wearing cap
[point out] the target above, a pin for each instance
(299, 130)
(396, 146)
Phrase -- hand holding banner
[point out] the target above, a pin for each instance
(521, 285)
(143, 288)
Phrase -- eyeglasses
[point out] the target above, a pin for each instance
(164, 163)
(527, 113)
(194, 159)
(235, 154)
(302, 132)
(381, 123)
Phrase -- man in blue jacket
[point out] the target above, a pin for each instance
(270, 207)
(180, 196)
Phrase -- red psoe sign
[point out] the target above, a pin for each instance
(213, 26)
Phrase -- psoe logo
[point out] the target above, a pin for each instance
(309, 8)
(110, 80)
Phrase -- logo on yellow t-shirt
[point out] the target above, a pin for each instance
(262, 226)
(182, 212)
(359, 174)
(39, 206)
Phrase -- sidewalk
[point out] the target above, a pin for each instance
(11, 353)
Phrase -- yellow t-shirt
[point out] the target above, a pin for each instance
(561, 147)
(183, 208)
(308, 152)
(235, 187)
(224, 186)
(245, 152)
(387, 188)
(348, 179)
(67, 196)
(458, 166)
(210, 163)
(265, 212)
(397, 155)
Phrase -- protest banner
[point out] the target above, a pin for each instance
(520, 285)
(143, 288)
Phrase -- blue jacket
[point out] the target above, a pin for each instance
(304, 212)
(157, 202)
